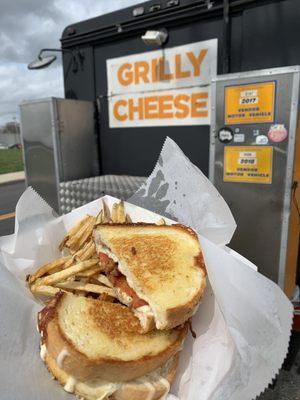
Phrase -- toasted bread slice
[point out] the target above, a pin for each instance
(162, 264)
(93, 339)
(153, 386)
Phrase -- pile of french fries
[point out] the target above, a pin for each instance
(78, 270)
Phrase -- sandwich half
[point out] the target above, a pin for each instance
(157, 270)
(154, 385)
(88, 343)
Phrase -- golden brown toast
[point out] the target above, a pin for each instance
(162, 264)
(153, 386)
(100, 339)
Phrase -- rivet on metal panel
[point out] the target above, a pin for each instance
(71, 30)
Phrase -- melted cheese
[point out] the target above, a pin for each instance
(152, 391)
(166, 384)
(70, 384)
(145, 315)
(105, 250)
(60, 358)
(43, 351)
(98, 389)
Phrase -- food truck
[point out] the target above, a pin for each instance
(221, 78)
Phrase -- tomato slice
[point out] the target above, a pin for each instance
(121, 283)
(103, 257)
(137, 302)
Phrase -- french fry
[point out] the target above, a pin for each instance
(44, 290)
(73, 231)
(45, 269)
(106, 212)
(89, 272)
(161, 222)
(103, 279)
(86, 287)
(86, 252)
(69, 263)
(121, 213)
(66, 273)
(75, 242)
(99, 218)
(63, 243)
(114, 212)
(80, 271)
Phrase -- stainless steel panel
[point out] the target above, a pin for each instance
(261, 210)
(58, 139)
(38, 144)
(76, 147)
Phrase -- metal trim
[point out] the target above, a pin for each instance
(289, 178)
(257, 73)
(56, 147)
(212, 138)
(23, 147)
(43, 100)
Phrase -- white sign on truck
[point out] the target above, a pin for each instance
(162, 88)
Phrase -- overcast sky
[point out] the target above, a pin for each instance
(26, 26)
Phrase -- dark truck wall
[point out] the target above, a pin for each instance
(260, 34)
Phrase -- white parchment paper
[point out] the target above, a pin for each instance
(242, 325)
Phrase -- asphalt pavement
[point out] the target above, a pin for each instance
(9, 196)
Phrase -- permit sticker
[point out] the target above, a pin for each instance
(225, 135)
(261, 139)
(248, 164)
(277, 133)
(252, 103)
(239, 138)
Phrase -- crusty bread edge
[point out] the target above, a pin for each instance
(129, 390)
(81, 367)
(177, 315)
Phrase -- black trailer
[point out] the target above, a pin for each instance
(251, 34)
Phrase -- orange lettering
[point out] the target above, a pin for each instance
(180, 103)
(117, 115)
(178, 72)
(136, 109)
(196, 104)
(151, 105)
(141, 70)
(165, 106)
(197, 61)
(154, 68)
(163, 76)
(125, 75)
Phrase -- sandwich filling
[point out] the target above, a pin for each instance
(126, 295)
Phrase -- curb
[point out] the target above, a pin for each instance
(12, 177)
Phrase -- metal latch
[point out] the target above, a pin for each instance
(172, 3)
(155, 7)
